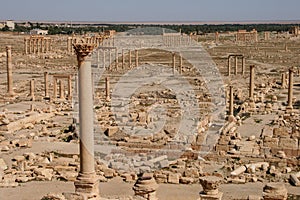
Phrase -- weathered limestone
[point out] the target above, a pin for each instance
(210, 185)
(70, 96)
(251, 84)
(46, 86)
(174, 62)
(290, 89)
(136, 58)
(129, 59)
(230, 115)
(216, 37)
(61, 90)
(295, 180)
(267, 35)
(107, 89)
(32, 97)
(244, 36)
(180, 64)
(236, 64)
(123, 59)
(87, 181)
(283, 80)
(145, 187)
(37, 44)
(275, 191)
(9, 71)
(117, 60)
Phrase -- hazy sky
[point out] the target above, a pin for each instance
(150, 10)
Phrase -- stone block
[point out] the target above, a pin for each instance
(289, 143)
(173, 178)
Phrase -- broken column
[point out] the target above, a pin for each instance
(32, 90)
(107, 89)
(290, 89)
(216, 37)
(86, 183)
(283, 80)
(9, 71)
(275, 191)
(251, 90)
(210, 185)
(145, 187)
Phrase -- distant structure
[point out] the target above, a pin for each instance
(37, 31)
(245, 36)
(9, 23)
(295, 30)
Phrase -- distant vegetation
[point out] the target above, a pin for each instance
(199, 29)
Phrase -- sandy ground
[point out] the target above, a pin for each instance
(117, 188)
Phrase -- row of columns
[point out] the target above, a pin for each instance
(60, 78)
(236, 64)
(98, 40)
(37, 44)
(176, 40)
(174, 63)
(245, 36)
(252, 86)
(113, 50)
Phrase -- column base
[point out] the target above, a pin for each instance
(87, 184)
(211, 197)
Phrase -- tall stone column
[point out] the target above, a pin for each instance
(107, 89)
(290, 89)
(46, 84)
(109, 65)
(87, 182)
(251, 90)
(70, 96)
(228, 65)
(30, 45)
(61, 89)
(9, 71)
(123, 59)
(117, 59)
(173, 62)
(180, 64)
(98, 58)
(69, 43)
(104, 58)
(236, 65)
(243, 65)
(230, 102)
(32, 90)
(136, 58)
(216, 37)
(283, 80)
(54, 88)
(129, 59)
(26, 46)
(34, 46)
